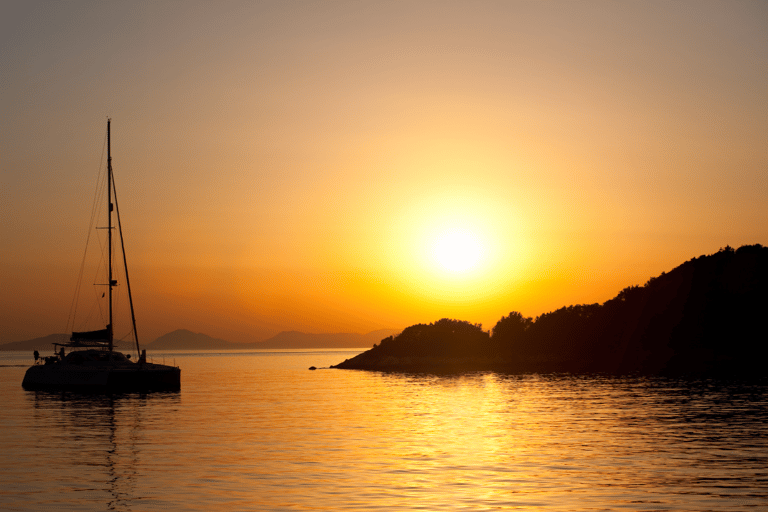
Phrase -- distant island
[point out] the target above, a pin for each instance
(43, 343)
(705, 317)
(183, 339)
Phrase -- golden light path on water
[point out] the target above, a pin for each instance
(260, 432)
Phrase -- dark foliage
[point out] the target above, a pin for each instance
(705, 316)
(444, 338)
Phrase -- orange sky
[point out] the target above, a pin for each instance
(292, 166)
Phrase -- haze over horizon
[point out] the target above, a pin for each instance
(348, 167)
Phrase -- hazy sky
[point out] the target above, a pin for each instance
(299, 165)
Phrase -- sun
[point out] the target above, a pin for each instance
(458, 250)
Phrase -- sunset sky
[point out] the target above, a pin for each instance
(350, 166)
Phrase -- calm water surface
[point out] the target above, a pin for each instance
(258, 431)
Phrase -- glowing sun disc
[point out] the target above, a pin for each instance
(457, 250)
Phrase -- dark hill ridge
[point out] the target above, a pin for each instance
(183, 339)
(41, 344)
(294, 339)
(706, 316)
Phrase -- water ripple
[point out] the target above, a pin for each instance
(260, 432)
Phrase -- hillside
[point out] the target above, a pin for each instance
(294, 339)
(44, 344)
(704, 317)
(183, 339)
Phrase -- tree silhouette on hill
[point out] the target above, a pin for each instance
(705, 316)
(447, 337)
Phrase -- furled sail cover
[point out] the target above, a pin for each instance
(101, 335)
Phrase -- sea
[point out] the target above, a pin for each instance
(258, 430)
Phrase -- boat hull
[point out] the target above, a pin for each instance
(137, 377)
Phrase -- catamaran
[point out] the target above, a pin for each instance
(89, 360)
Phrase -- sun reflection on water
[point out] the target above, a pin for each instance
(259, 431)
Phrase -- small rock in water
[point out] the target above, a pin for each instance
(312, 368)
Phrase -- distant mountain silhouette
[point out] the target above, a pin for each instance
(706, 316)
(183, 339)
(295, 339)
(41, 344)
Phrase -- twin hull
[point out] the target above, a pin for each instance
(136, 377)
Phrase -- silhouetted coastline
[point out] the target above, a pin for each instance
(183, 339)
(705, 317)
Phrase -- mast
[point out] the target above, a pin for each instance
(110, 281)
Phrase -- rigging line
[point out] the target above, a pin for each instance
(94, 219)
(94, 209)
(100, 270)
(125, 266)
(85, 323)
